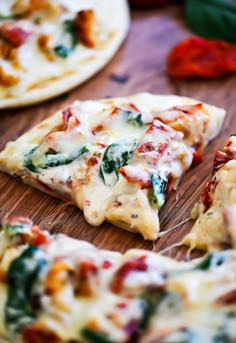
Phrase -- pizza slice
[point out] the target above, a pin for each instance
(57, 289)
(116, 159)
(216, 209)
(50, 46)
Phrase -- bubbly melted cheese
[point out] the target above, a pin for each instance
(104, 155)
(82, 290)
(34, 67)
(216, 210)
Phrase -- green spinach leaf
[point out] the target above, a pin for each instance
(213, 259)
(9, 16)
(158, 194)
(133, 118)
(49, 160)
(69, 39)
(22, 275)
(116, 156)
(212, 18)
(92, 336)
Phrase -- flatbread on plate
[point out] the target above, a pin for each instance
(50, 46)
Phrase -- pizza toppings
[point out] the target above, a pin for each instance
(22, 272)
(215, 210)
(159, 187)
(43, 43)
(14, 35)
(127, 152)
(140, 296)
(51, 159)
(199, 57)
(86, 28)
(116, 156)
(64, 49)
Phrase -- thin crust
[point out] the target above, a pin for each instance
(152, 139)
(215, 212)
(83, 66)
(71, 291)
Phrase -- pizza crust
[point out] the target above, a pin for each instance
(215, 212)
(84, 67)
(128, 203)
(74, 281)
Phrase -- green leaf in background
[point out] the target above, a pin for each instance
(215, 19)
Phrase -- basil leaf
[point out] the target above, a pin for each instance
(22, 275)
(158, 195)
(133, 118)
(233, 134)
(212, 18)
(50, 160)
(69, 39)
(116, 156)
(92, 336)
(212, 260)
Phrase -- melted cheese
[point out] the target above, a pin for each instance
(35, 68)
(215, 224)
(145, 145)
(189, 302)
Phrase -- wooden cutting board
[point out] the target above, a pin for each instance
(140, 65)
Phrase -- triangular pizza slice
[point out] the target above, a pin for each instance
(116, 159)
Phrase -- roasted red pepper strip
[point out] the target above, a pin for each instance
(199, 57)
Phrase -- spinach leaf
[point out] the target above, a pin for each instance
(221, 337)
(9, 16)
(213, 259)
(69, 39)
(22, 275)
(212, 18)
(51, 159)
(133, 118)
(116, 156)
(149, 304)
(13, 229)
(92, 336)
(158, 195)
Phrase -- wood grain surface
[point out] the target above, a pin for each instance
(141, 66)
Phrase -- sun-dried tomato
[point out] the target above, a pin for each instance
(137, 264)
(14, 35)
(199, 57)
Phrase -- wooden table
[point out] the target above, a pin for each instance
(142, 60)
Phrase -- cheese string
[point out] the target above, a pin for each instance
(161, 234)
(170, 247)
